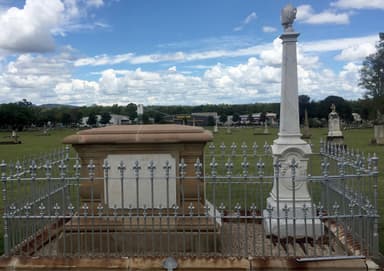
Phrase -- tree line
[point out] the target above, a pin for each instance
(24, 114)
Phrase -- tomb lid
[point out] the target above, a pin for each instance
(156, 133)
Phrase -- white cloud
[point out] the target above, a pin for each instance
(359, 4)
(269, 29)
(306, 14)
(251, 17)
(337, 44)
(356, 52)
(29, 29)
(32, 27)
(95, 3)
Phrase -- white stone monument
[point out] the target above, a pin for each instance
(285, 216)
(334, 123)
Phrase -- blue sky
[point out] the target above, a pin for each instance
(188, 52)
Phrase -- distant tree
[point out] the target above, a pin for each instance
(211, 121)
(223, 118)
(263, 117)
(131, 111)
(92, 119)
(66, 118)
(250, 119)
(105, 118)
(235, 117)
(343, 107)
(372, 75)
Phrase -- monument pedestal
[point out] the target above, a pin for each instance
(290, 211)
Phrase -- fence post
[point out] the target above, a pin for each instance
(375, 173)
(3, 166)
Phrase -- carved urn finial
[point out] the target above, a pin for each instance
(288, 15)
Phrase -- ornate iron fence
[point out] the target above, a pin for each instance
(51, 208)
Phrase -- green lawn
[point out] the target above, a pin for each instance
(34, 143)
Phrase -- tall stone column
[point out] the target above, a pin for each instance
(285, 215)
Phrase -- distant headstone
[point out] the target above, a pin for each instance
(334, 132)
(306, 132)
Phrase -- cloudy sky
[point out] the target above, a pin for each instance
(189, 52)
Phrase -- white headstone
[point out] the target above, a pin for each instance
(144, 190)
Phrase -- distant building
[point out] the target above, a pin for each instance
(202, 118)
(119, 119)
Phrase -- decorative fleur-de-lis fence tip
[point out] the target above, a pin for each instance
(121, 168)
(198, 168)
(286, 210)
(233, 149)
(27, 209)
(33, 169)
(222, 208)
(175, 208)
(91, 169)
(182, 167)
(191, 208)
(206, 210)
(341, 166)
(277, 167)
(167, 167)
(213, 165)
(12, 209)
(237, 209)
(211, 148)
(42, 209)
(106, 166)
(325, 166)
(266, 147)
(244, 166)
(100, 209)
(320, 209)
(85, 209)
(253, 209)
(136, 168)
(260, 167)
(229, 166)
(335, 208)
(114, 212)
(151, 167)
(222, 148)
(293, 166)
(77, 167)
(254, 148)
(18, 168)
(71, 209)
(62, 167)
(56, 209)
(244, 148)
(48, 168)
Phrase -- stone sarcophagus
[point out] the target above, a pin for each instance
(143, 165)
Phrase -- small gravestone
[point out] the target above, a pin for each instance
(334, 132)
(378, 129)
(306, 132)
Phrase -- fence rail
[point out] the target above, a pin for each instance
(160, 209)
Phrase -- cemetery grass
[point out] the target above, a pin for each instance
(35, 143)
